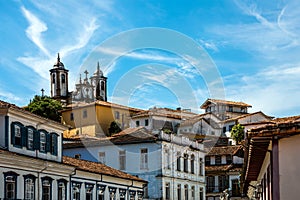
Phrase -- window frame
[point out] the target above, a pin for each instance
(89, 188)
(49, 179)
(144, 158)
(122, 160)
(32, 178)
(15, 183)
(78, 186)
(64, 182)
(102, 155)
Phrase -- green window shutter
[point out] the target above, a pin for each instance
(36, 140)
(48, 142)
(12, 133)
(24, 136)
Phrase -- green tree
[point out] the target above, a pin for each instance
(46, 107)
(114, 128)
(237, 133)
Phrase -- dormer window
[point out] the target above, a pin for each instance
(16, 134)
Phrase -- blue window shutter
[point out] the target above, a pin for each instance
(54, 141)
(24, 136)
(36, 140)
(48, 142)
(12, 133)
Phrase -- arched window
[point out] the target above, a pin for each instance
(61, 192)
(42, 142)
(89, 191)
(192, 164)
(46, 188)
(30, 137)
(100, 192)
(63, 78)
(29, 193)
(102, 85)
(185, 163)
(76, 190)
(53, 78)
(178, 161)
(10, 185)
(186, 192)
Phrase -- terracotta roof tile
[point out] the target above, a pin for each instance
(220, 101)
(225, 150)
(246, 115)
(220, 168)
(98, 168)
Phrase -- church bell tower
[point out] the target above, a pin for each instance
(59, 82)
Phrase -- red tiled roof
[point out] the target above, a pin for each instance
(220, 168)
(98, 168)
(246, 115)
(220, 101)
(225, 150)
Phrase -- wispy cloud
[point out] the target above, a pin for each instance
(35, 29)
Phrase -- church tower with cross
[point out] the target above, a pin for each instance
(91, 89)
(59, 82)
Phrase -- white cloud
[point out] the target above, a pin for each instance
(35, 29)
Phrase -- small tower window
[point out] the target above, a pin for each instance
(53, 78)
(102, 85)
(63, 78)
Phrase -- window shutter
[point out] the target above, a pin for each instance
(48, 142)
(24, 136)
(12, 133)
(54, 143)
(36, 140)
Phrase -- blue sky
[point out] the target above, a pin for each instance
(254, 45)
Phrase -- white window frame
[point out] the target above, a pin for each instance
(144, 158)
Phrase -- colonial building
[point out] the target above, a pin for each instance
(32, 165)
(95, 118)
(172, 165)
(156, 119)
(223, 167)
(272, 160)
(89, 89)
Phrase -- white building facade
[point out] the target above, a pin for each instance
(172, 165)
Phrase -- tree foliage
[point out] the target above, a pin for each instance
(46, 107)
(114, 128)
(237, 133)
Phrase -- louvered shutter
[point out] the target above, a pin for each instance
(24, 136)
(54, 143)
(48, 142)
(12, 133)
(36, 140)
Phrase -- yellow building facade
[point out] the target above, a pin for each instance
(94, 119)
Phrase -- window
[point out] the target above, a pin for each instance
(117, 115)
(144, 159)
(218, 160)
(210, 184)
(146, 122)
(102, 157)
(122, 194)
(178, 162)
(201, 194)
(72, 116)
(46, 188)
(230, 109)
(84, 114)
(102, 85)
(10, 185)
(53, 78)
(54, 148)
(185, 163)
(224, 129)
(29, 139)
(112, 193)
(186, 192)
(122, 158)
(192, 164)
(61, 192)
(89, 191)
(132, 194)
(76, 191)
(235, 187)
(193, 192)
(167, 188)
(43, 142)
(230, 127)
(223, 183)
(137, 123)
(100, 192)
(63, 78)
(178, 192)
(16, 134)
(207, 160)
(228, 159)
(201, 167)
(167, 159)
(29, 192)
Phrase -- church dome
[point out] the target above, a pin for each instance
(58, 64)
